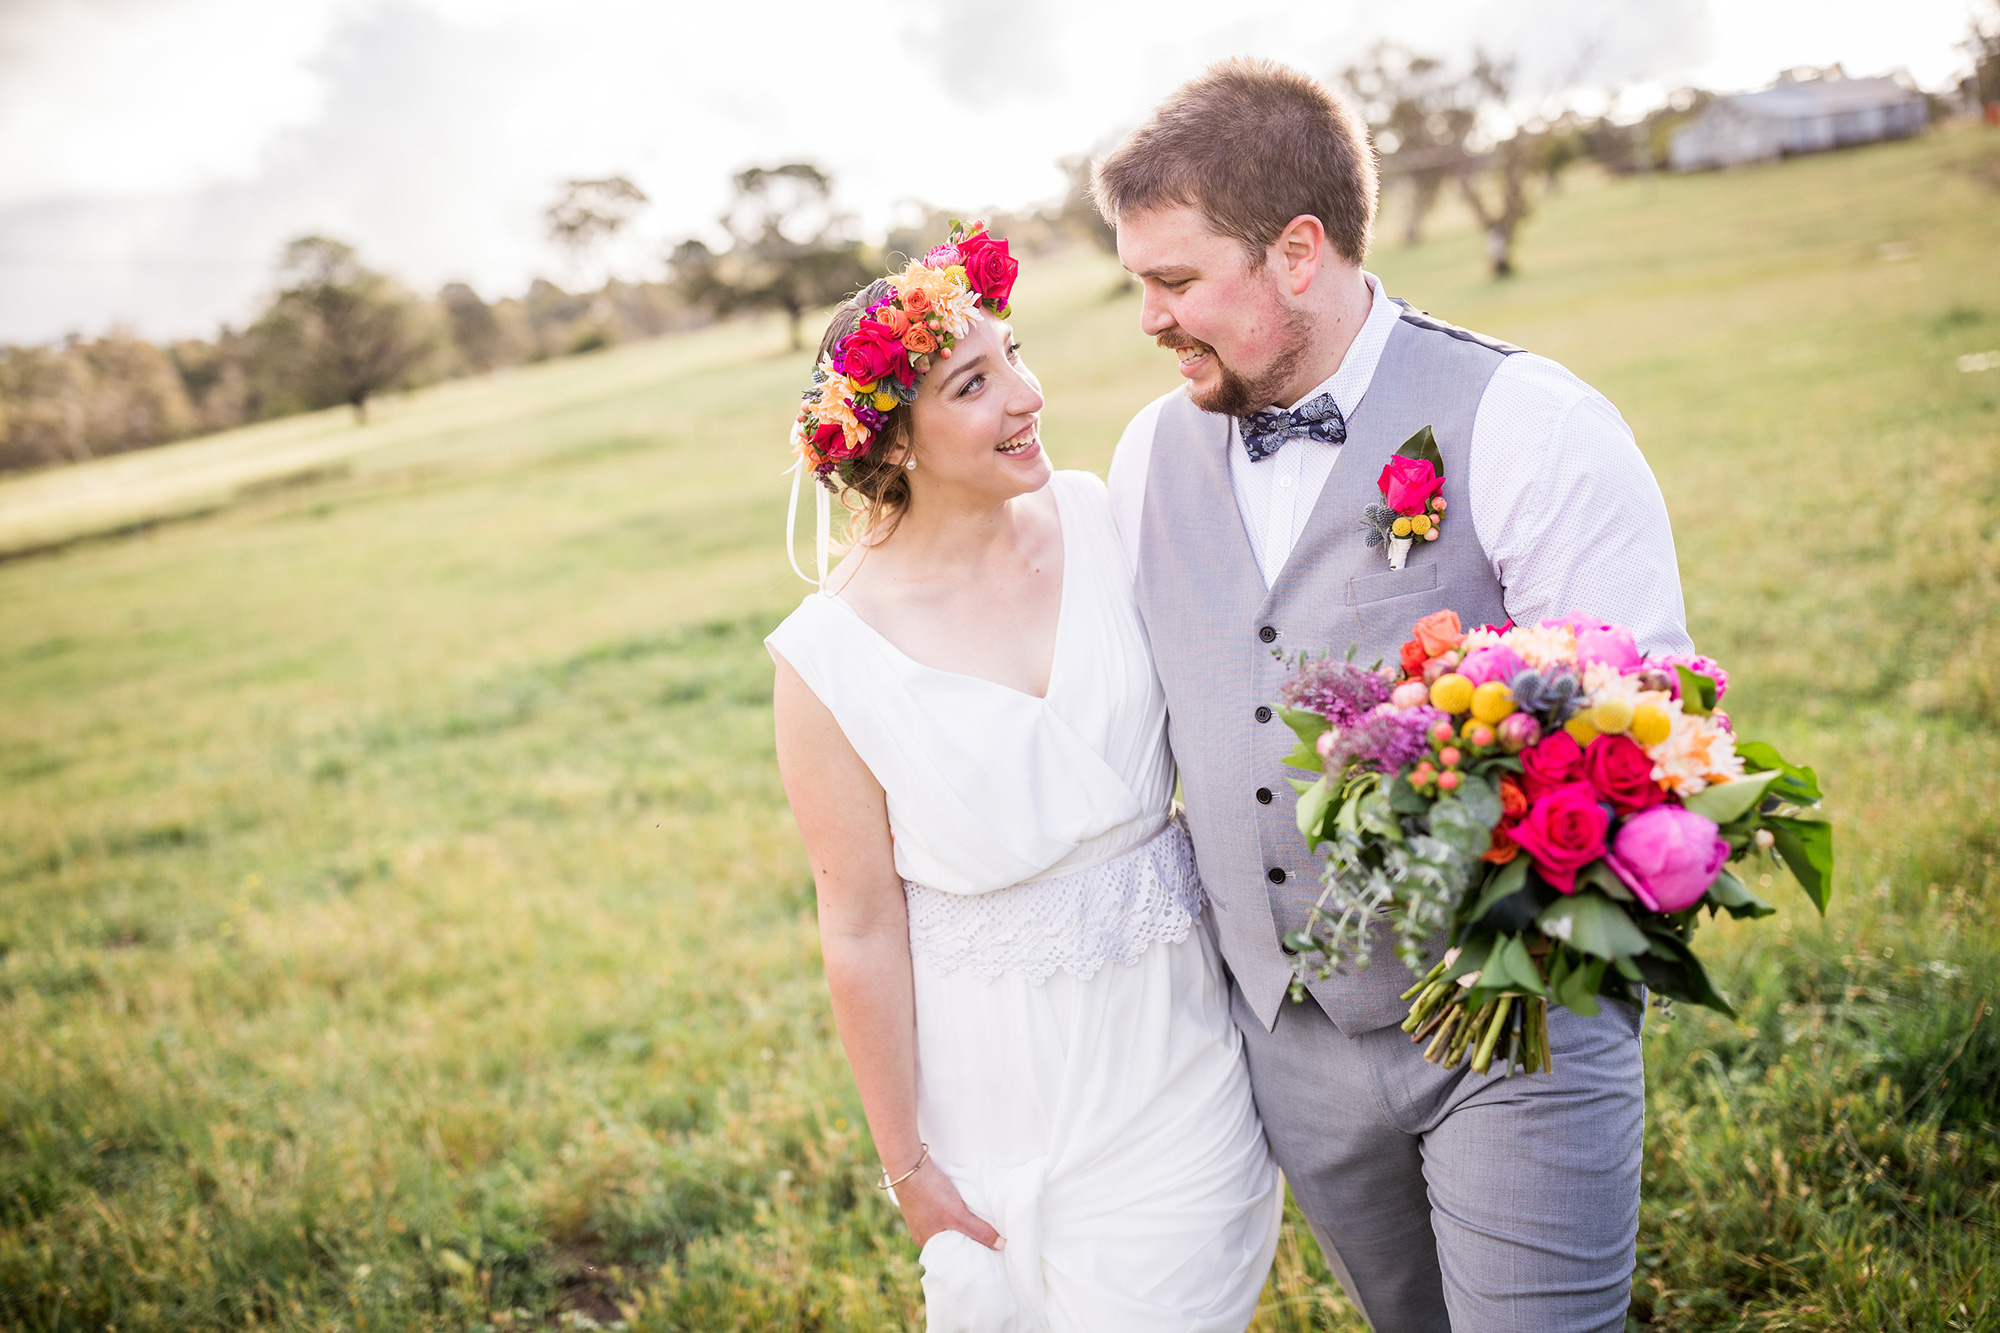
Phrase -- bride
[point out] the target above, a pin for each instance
(973, 741)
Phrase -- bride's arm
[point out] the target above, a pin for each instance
(865, 939)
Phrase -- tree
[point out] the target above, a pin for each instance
(789, 249)
(588, 213)
(1419, 114)
(338, 333)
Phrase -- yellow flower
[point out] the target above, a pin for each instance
(1420, 524)
(1492, 701)
(885, 401)
(1451, 693)
(1401, 527)
(1650, 724)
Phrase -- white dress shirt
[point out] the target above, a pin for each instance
(1563, 502)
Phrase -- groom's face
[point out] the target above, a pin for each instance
(1238, 337)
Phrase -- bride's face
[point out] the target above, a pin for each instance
(1238, 339)
(976, 422)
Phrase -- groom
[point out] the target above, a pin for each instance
(1443, 1199)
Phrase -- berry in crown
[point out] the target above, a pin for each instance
(874, 370)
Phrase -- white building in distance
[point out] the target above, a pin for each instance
(1799, 115)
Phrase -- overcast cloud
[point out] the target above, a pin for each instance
(156, 154)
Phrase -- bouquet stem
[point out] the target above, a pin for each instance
(1399, 551)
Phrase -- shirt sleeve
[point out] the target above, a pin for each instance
(1567, 509)
(1127, 479)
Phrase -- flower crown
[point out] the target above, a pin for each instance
(874, 370)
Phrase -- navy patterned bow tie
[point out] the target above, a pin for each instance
(1265, 432)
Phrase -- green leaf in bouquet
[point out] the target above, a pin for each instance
(1799, 785)
(1807, 846)
(1423, 445)
(1574, 986)
(1314, 803)
(1373, 814)
(1470, 959)
(1589, 921)
(1697, 692)
(1725, 801)
(1673, 970)
(1481, 801)
(1452, 824)
(1308, 726)
(1507, 881)
(1729, 893)
(1603, 877)
(1511, 967)
(1301, 786)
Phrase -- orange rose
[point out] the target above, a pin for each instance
(1513, 805)
(892, 319)
(916, 303)
(919, 340)
(1438, 632)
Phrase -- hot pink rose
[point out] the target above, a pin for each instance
(1622, 773)
(1408, 484)
(1563, 832)
(871, 352)
(988, 267)
(1496, 661)
(1668, 856)
(1555, 762)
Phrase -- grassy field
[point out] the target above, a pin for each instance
(401, 925)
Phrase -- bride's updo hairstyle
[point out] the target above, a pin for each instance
(853, 427)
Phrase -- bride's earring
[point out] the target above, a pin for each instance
(912, 464)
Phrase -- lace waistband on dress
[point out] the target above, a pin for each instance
(1111, 912)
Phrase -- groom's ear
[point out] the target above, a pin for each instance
(1300, 251)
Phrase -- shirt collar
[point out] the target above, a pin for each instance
(1357, 368)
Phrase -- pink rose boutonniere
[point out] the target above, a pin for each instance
(1412, 507)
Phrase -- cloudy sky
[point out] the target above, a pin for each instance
(156, 154)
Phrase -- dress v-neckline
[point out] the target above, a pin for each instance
(1062, 619)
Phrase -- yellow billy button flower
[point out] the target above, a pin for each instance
(1401, 527)
(1451, 693)
(1650, 724)
(1581, 728)
(885, 402)
(1492, 701)
(1612, 716)
(1420, 524)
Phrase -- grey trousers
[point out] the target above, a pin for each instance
(1452, 1202)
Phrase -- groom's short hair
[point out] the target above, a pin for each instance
(1251, 144)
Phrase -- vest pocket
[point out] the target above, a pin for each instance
(1391, 583)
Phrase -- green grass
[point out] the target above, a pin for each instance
(401, 926)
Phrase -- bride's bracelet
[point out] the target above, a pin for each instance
(887, 1184)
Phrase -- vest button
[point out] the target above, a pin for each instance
(1276, 874)
(1263, 796)
(1263, 713)
(1267, 634)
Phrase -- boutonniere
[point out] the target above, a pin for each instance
(1412, 510)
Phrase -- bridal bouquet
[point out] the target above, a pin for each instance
(1563, 807)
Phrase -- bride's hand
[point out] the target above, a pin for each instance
(931, 1204)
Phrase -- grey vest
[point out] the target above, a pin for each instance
(1214, 627)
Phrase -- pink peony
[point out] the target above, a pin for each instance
(1609, 644)
(1494, 662)
(1668, 856)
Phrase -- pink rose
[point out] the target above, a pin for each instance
(989, 268)
(1622, 773)
(1555, 762)
(1408, 484)
(1668, 856)
(1563, 832)
(1496, 661)
(870, 352)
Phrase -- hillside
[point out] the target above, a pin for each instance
(401, 924)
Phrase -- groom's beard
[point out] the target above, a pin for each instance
(1238, 395)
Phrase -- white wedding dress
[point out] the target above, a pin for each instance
(1079, 1076)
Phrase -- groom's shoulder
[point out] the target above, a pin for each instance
(1422, 321)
